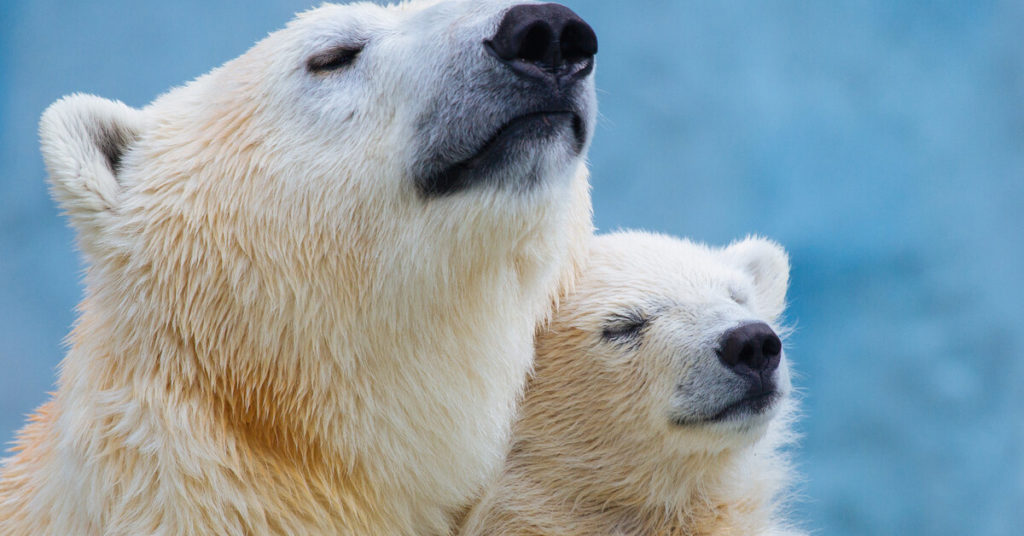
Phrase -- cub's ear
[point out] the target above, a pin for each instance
(768, 265)
(83, 139)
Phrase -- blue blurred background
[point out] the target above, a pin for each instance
(881, 142)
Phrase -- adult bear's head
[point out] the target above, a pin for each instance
(341, 241)
(402, 147)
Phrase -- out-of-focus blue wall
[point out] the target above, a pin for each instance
(881, 142)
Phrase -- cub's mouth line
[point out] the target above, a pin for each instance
(754, 404)
(750, 405)
(532, 125)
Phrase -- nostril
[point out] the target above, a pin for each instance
(577, 41)
(772, 346)
(535, 42)
(746, 353)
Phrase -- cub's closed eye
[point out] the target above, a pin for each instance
(738, 296)
(333, 59)
(624, 326)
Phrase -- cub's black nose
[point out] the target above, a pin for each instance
(546, 41)
(751, 346)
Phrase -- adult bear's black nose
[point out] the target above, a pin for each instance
(751, 346)
(545, 41)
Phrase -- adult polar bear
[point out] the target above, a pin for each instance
(314, 276)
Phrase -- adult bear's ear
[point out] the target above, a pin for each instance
(768, 265)
(83, 140)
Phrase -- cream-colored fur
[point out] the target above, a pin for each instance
(279, 335)
(610, 439)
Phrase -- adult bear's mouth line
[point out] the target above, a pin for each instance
(529, 125)
(522, 122)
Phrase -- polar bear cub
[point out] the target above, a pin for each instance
(660, 400)
(314, 276)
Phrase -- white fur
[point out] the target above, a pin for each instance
(279, 336)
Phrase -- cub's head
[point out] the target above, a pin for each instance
(666, 351)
